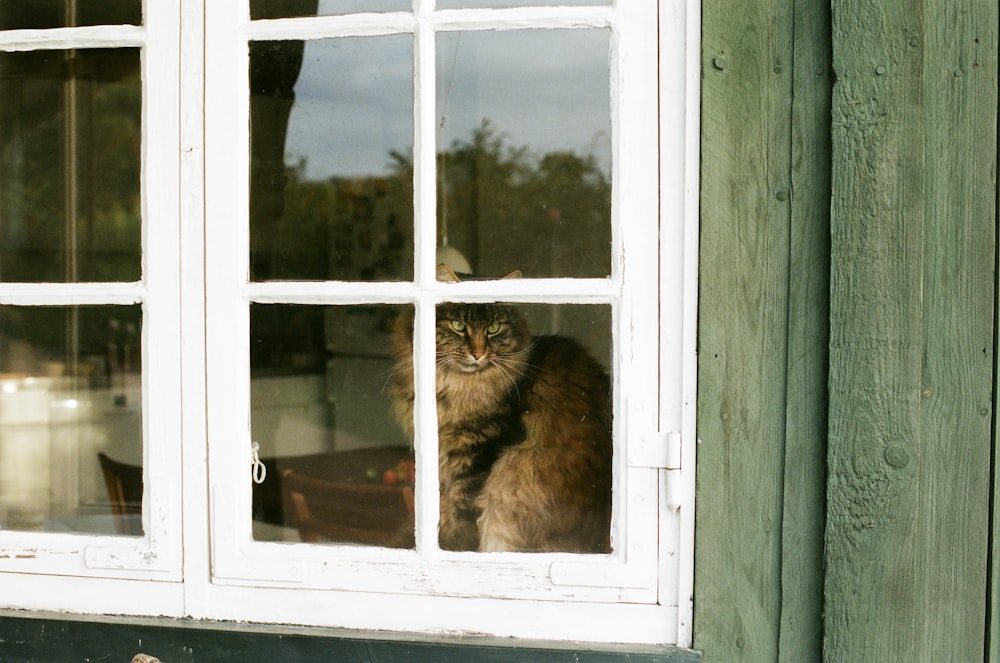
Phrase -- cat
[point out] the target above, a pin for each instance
(524, 432)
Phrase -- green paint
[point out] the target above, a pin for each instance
(846, 332)
(762, 330)
(913, 224)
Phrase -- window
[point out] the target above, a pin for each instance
(223, 230)
(88, 285)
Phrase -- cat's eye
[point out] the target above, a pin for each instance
(493, 328)
(457, 325)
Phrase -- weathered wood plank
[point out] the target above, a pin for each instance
(912, 225)
(804, 501)
(957, 386)
(746, 134)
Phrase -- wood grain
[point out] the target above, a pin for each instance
(804, 496)
(911, 353)
(746, 139)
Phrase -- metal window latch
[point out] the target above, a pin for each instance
(662, 451)
(656, 450)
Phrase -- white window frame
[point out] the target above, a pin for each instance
(33, 560)
(196, 378)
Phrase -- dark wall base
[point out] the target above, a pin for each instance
(54, 640)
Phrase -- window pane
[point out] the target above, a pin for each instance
(39, 14)
(496, 4)
(288, 8)
(524, 426)
(69, 392)
(524, 162)
(339, 466)
(332, 196)
(70, 136)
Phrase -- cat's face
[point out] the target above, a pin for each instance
(473, 338)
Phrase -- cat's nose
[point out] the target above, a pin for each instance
(477, 348)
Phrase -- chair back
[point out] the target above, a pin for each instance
(124, 483)
(348, 512)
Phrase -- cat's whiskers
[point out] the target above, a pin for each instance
(390, 372)
(507, 373)
(513, 357)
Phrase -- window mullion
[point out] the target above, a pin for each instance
(425, 430)
(227, 266)
(193, 442)
(93, 36)
(424, 150)
(425, 249)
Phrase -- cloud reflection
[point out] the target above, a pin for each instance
(544, 89)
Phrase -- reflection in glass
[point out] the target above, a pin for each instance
(339, 467)
(70, 136)
(524, 427)
(41, 14)
(497, 4)
(260, 9)
(524, 161)
(331, 139)
(71, 419)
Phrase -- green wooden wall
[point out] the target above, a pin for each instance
(847, 330)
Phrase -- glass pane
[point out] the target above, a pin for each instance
(524, 426)
(71, 419)
(70, 137)
(39, 14)
(339, 466)
(496, 4)
(524, 162)
(332, 178)
(289, 8)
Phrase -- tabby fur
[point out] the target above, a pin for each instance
(524, 430)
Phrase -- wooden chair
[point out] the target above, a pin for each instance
(349, 512)
(124, 483)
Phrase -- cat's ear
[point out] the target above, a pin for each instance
(516, 274)
(447, 274)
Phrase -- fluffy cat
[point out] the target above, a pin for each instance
(524, 429)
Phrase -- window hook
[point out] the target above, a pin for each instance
(259, 469)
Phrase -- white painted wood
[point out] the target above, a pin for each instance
(97, 36)
(90, 595)
(65, 294)
(680, 56)
(357, 25)
(227, 317)
(580, 291)
(427, 508)
(194, 440)
(542, 620)
(161, 351)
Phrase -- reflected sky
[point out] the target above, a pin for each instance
(331, 7)
(353, 105)
(328, 7)
(545, 89)
(497, 4)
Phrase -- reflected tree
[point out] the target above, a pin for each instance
(505, 208)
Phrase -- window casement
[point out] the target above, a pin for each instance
(305, 168)
(88, 285)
